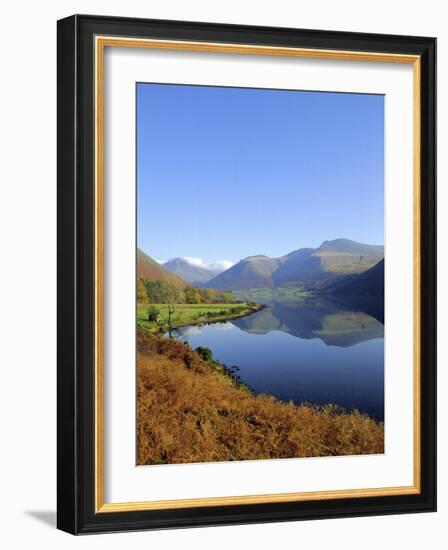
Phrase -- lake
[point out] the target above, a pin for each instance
(314, 351)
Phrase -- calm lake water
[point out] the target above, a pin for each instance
(313, 351)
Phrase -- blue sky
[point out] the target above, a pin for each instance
(225, 173)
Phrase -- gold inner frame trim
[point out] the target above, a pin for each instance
(101, 42)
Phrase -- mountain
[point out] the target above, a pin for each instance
(370, 283)
(252, 272)
(312, 268)
(189, 272)
(317, 268)
(351, 247)
(147, 268)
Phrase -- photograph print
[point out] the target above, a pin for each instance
(259, 274)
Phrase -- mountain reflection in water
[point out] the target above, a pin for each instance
(317, 351)
(334, 323)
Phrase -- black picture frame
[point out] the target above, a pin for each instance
(76, 259)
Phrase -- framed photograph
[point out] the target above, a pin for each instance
(246, 274)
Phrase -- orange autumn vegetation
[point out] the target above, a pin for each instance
(190, 410)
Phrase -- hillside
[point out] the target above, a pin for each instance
(187, 271)
(333, 259)
(351, 247)
(190, 409)
(147, 268)
(252, 272)
(312, 268)
(369, 283)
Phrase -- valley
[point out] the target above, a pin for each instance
(298, 337)
(332, 267)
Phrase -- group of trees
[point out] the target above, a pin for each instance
(162, 292)
(195, 295)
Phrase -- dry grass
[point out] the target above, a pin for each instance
(188, 411)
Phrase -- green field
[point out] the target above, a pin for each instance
(285, 294)
(192, 314)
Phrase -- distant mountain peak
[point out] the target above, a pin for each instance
(251, 272)
(257, 257)
(195, 270)
(339, 240)
(352, 247)
(189, 271)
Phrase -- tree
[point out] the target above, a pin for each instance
(171, 310)
(153, 314)
(206, 295)
(142, 296)
(158, 291)
(172, 296)
(192, 295)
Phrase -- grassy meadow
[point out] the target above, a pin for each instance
(282, 294)
(191, 314)
(190, 408)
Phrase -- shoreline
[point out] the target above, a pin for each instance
(212, 417)
(223, 318)
(204, 320)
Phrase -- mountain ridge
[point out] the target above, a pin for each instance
(335, 266)
(189, 272)
(251, 272)
(313, 268)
